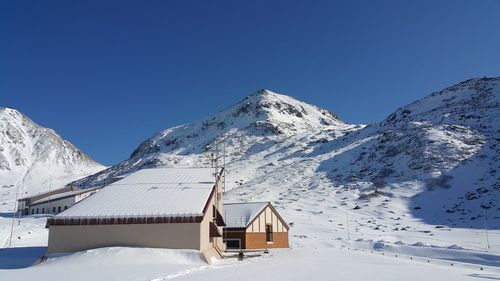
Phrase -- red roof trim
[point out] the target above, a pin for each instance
(207, 204)
(115, 221)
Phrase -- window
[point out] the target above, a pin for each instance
(65, 207)
(43, 210)
(269, 233)
(233, 243)
(54, 210)
(59, 209)
(32, 211)
(37, 210)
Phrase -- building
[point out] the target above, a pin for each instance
(157, 208)
(53, 202)
(57, 203)
(254, 225)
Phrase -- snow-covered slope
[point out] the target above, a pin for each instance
(398, 198)
(444, 147)
(263, 120)
(430, 164)
(32, 156)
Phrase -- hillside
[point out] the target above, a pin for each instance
(444, 147)
(427, 169)
(410, 195)
(34, 158)
(262, 121)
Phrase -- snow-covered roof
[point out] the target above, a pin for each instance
(63, 195)
(44, 193)
(164, 192)
(239, 215)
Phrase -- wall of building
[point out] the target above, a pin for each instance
(257, 240)
(24, 203)
(267, 217)
(63, 204)
(236, 235)
(48, 207)
(71, 238)
(80, 197)
(206, 241)
(255, 236)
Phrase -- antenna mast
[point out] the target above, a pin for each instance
(224, 164)
(216, 159)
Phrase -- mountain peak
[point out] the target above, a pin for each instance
(266, 93)
(33, 155)
(263, 91)
(268, 105)
(11, 111)
(262, 119)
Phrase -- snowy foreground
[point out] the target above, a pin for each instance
(313, 257)
(296, 264)
(413, 197)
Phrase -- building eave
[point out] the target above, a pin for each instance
(123, 220)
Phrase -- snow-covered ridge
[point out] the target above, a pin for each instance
(262, 119)
(436, 159)
(262, 113)
(411, 194)
(31, 156)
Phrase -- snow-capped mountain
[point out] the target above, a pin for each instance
(421, 183)
(443, 149)
(433, 162)
(262, 120)
(34, 158)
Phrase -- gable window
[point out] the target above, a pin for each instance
(269, 233)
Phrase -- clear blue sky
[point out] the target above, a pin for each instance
(108, 74)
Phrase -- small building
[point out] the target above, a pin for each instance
(176, 208)
(254, 225)
(54, 201)
(57, 203)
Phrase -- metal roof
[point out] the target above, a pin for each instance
(64, 195)
(163, 192)
(239, 215)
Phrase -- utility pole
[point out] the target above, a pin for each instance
(13, 217)
(48, 203)
(486, 231)
(19, 212)
(347, 221)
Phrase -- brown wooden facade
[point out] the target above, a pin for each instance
(267, 230)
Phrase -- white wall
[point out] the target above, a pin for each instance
(48, 208)
(267, 217)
